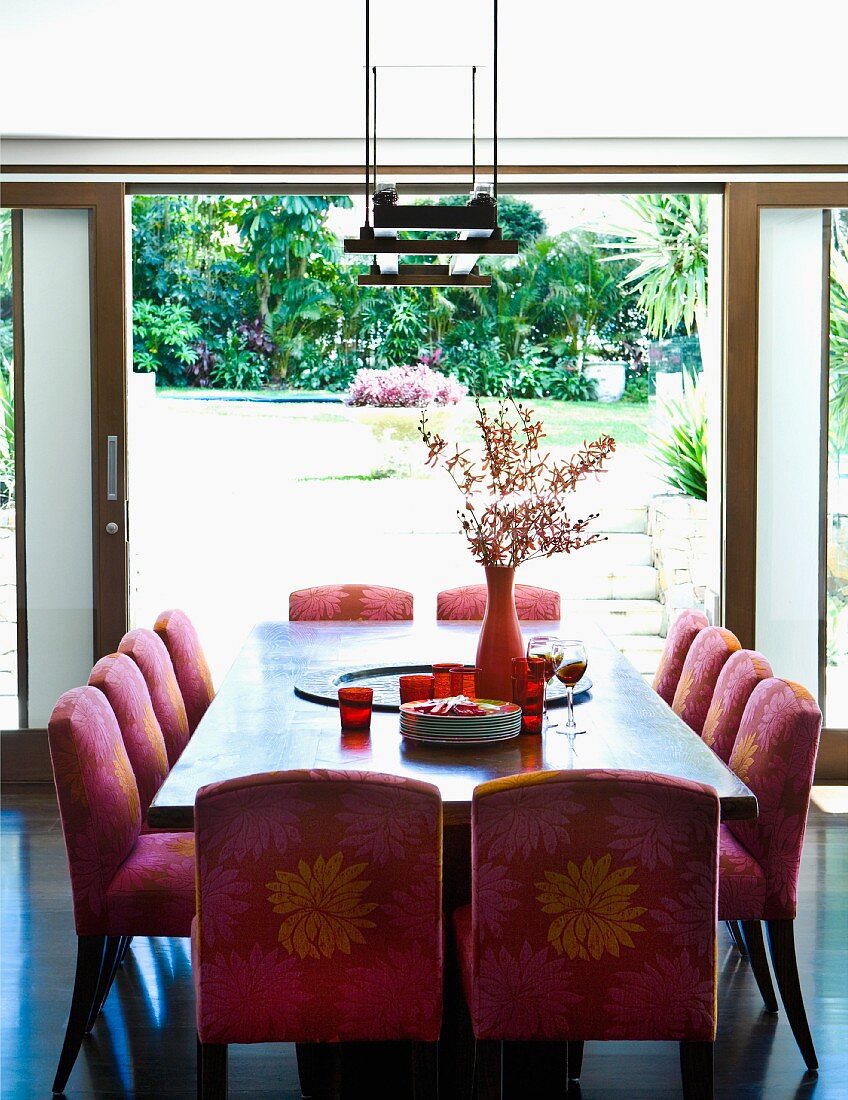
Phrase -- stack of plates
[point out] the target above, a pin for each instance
(500, 722)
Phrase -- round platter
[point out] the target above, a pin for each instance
(322, 685)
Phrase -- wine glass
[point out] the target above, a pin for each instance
(542, 645)
(570, 661)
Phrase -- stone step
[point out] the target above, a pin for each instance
(622, 549)
(596, 581)
(619, 518)
(618, 617)
(643, 651)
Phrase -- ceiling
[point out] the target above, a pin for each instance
(214, 68)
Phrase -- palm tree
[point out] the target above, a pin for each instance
(669, 243)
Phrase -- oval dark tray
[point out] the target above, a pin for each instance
(321, 686)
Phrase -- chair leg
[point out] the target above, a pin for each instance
(425, 1071)
(111, 957)
(213, 1071)
(90, 951)
(306, 1067)
(127, 942)
(781, 937)
(327, 1071)
(575, 1059)
(735, 930)
(752, 930)
(488, 1070)
(696, 1068)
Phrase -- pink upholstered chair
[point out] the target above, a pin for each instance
(350, 603)
(469, 602)
(319, 914)
(592, 916)
(148, 651)
(775, 754)
(677, 643)
(707, 656)
(177, 631)
(121, 681)
(742, 672)
(124, 884)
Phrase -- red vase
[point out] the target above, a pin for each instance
(500, 635)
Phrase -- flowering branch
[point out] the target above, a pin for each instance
(514, 510)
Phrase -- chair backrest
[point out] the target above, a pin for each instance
(707, 656)
(678, 640)
(775, 754)
(350, 603)
(594, 899)
(148, 651)
(121, 681)
(469, 603)
(322, 890)
(177, 631)
(740, 675)
(98, 799)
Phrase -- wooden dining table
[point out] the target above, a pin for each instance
(260, 720)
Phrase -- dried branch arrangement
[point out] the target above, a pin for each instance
(514, 494)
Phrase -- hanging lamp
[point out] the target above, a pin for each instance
(475, 224)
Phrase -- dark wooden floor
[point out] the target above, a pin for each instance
(144, 1043)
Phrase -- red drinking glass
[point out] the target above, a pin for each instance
(528, 691)
(355, 707)
(463, 680)
(441, 676)
(413, 688)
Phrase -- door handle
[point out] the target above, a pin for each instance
(111, 468)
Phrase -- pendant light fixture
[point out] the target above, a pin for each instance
(475, 225)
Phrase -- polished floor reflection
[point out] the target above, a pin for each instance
(144, 1043)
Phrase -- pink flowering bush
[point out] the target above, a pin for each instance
(404, 387)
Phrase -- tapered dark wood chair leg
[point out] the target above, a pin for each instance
(425, 1071)
(327, 1071)
(735, 930)
(488, 1070)
(575, 1060)
(752, 930)
(199, 1069)
(127, 943)
(306, 1067)
(213, 1071)
(781, 937)
(90, 951)
(696, 1068)
(111, 956)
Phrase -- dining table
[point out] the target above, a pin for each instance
(268, 715)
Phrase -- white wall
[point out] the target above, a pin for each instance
(57, 463)
(788, 442)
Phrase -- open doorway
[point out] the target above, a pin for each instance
(251, 476)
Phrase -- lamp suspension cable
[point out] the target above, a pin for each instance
(495, 107)
(367, 108)
(473, 127)
(374, 71)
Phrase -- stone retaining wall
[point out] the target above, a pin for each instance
(678, 529)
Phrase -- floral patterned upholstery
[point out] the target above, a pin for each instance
(123, 884)
(677, 643)
(469, 603)
(593, 912)
(775, 755)
(121, 681)
(738, 678)
(350, 603)
(707, 656)
(177, 631)
(148, 651)
(319, 912)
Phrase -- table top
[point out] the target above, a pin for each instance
(257, 723)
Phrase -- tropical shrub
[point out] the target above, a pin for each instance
(164, 339)
(404, 387)
(236, 366)
(7, 432)
(839, 341)
(680, 447)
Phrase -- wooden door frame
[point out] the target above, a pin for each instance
(106, 204)
(742, 205)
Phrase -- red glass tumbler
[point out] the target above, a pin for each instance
(355, 707)
(442, 680)
(463, 680)
(415, 687)
(528, 691)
